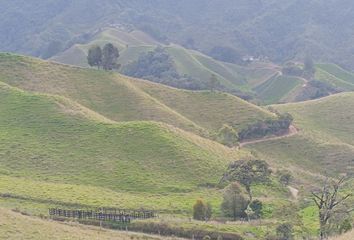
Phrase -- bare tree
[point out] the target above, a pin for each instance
(328, 201)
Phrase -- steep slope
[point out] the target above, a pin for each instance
(124, 99)
(44, 138)
(207, 109)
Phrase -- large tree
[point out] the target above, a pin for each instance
(228, 136)
(213, 82)
(202, 211)
(247, 173)
(234, 202)
(110, 55)
(94, 57)
(309, 68)
(329, 203)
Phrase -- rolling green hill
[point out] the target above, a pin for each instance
(45, 138)
(324, 143)
(77, 137)
(82, 131)
(261, 80)
(187, 62)
(57, 152)
(126, 99)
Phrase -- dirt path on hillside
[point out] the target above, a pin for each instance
(291, 132)
(301, 78)
(294, 192)
(306, 82)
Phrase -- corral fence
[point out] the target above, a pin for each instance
(113, 215)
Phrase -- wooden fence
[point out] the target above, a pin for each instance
(115, 215)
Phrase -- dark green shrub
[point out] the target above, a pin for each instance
(256, 207)
(285, 231)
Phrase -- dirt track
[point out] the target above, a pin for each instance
(292, 131)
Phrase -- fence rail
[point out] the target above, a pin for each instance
(116, 215)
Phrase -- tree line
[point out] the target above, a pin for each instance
(229, 136)
(267, 127)
(306, 71)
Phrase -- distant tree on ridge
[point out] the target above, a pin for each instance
(110, 55)
(94, 57)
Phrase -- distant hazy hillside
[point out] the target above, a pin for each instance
(281, 30)
(240, 79)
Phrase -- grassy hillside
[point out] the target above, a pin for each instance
(207, 109)
(324, 143)
(17, 226)
(337, 71)
(76, 137)
(336, 76)
(55, 149)
(277, 88)
(332, 116)
(259, 79)
(43, 138)
(187, 62)
(131, 45)
(56, 152)
(125, 99)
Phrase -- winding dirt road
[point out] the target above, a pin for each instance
(291, 132)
